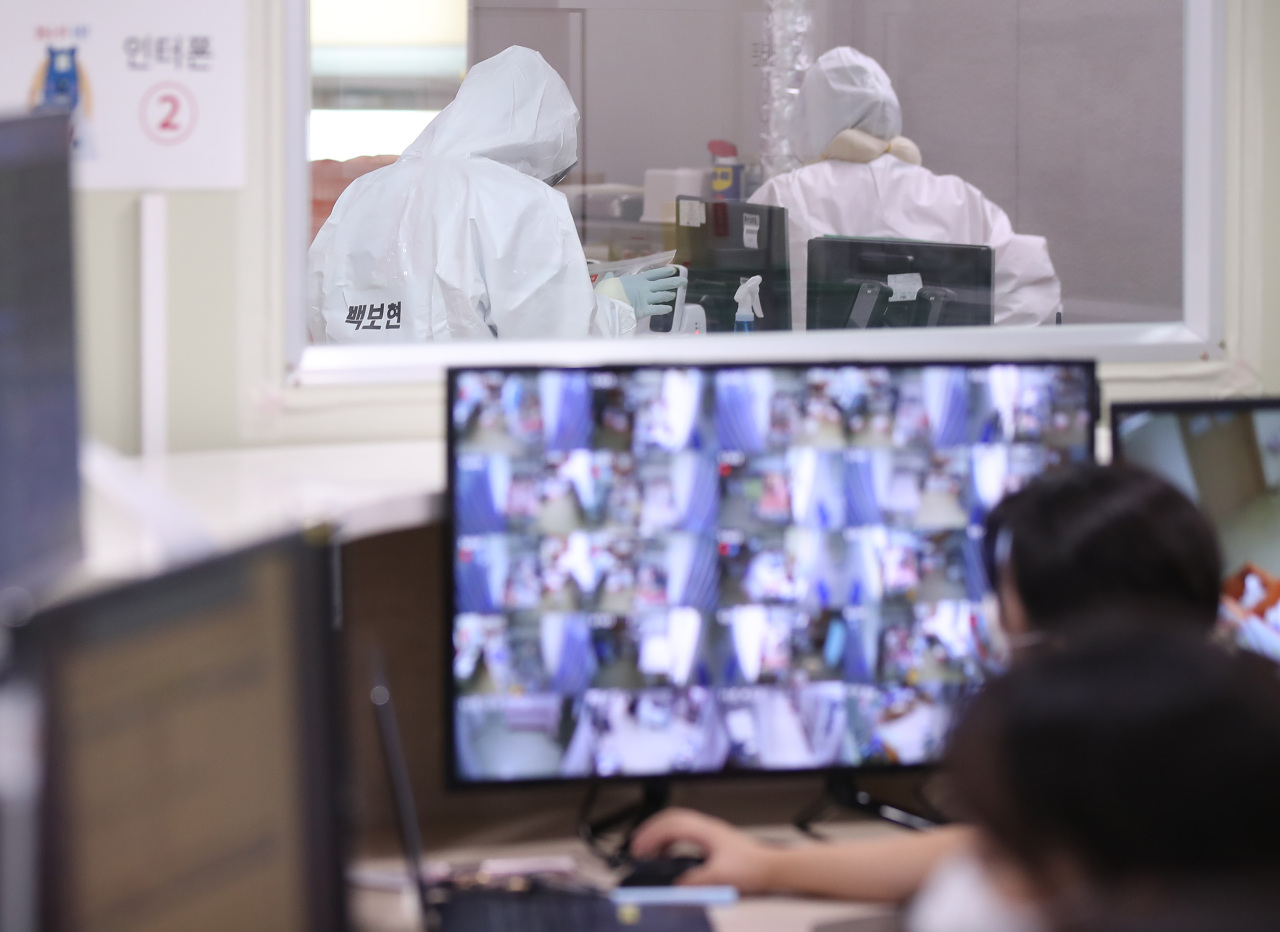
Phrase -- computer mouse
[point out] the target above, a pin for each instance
(657, 872)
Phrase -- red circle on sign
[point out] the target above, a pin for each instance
(168, 113)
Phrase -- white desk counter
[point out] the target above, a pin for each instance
(385, 910)
(142, 515)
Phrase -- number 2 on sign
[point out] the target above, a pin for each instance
(168, 113)
(174, 104)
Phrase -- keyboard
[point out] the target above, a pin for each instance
(561, 911)
(541, 911)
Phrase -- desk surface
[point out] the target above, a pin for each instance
(381, 910)
(143, 515)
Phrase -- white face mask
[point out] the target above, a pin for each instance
(560, 176)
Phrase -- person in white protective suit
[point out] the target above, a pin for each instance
(464, 237)
(862, 178)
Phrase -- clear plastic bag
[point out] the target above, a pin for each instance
(601, 271)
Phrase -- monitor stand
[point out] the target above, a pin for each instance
(655, 795)
(840, 791)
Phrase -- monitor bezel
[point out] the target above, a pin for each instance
(454, 781)
(1122, 409)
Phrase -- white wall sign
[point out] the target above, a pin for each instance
(157, 87)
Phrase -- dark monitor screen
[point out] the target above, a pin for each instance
(191, 768)
(670, 572)
(39, 421)
(869, 283)
(725, 243)
(1225, 455)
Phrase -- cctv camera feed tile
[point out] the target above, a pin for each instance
(678, 571)
(1227, 460)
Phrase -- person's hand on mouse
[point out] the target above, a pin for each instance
(733, 858)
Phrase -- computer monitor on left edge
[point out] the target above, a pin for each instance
(39, 418)
(663, 573)
(191, 765)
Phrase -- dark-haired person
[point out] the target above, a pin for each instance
(1092, 536)
(1127, 781)
(1083, 539)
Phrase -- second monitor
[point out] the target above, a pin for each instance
(1225, 455)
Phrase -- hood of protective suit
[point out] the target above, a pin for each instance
(843, 90)
(512, 108)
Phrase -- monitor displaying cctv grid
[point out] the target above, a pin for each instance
(672, 572)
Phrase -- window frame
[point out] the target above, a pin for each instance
(1198, 337)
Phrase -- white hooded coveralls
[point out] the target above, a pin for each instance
(888, 198)
(461, 231)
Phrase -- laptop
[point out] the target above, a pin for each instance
(535, 906)
(862, 284)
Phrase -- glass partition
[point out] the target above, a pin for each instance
(380, 71)
(808, 164)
